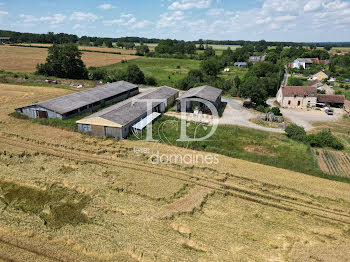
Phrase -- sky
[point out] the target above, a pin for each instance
(272, 20)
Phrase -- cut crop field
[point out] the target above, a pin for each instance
(25, 59)
(71, 197)
(94, 48)
(334, 162)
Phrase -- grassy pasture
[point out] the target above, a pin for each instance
(167, 71)
(233, 211)
(223, 47)
(240, 142)
(25, 59)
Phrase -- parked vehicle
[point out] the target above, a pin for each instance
(329, 112)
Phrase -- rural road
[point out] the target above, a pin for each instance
(236, 114)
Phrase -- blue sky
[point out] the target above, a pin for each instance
(279, 20)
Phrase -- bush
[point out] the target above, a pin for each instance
(325, 138)
(261, 109)
(97, 73)
(296, 132)
(276, 111)
(150, 80)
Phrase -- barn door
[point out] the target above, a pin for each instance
(42, 114)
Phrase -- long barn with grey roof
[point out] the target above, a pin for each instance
(208, 93)
(89, 100)
(118, 120)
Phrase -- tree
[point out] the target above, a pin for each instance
(252, 88)
(135, 75)
(296, 132)
(209, 52)
(98, 42)
(108, 43)
(142, 50)
(129, 45)
(120, 44)
(272, 57)
(63, 61)
(210, 67)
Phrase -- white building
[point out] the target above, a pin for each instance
(304, 62)
(297, 96)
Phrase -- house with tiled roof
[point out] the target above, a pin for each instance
(322, 74)
(297, 96)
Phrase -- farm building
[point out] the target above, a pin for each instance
(239, 64)
(297, 96)
(331, 100)
(320, 75)
(208, 93)
(256, 59)
(122, 118)
(5, 40)
(302, 62)
(89, 100)
(320, 86)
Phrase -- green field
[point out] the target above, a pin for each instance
(216, 47)
(234, 70)
(345, 92)
(167, 71)
(240, 142)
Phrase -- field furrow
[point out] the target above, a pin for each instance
(263, 198)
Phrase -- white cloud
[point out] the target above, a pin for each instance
(3, 13)
(52, 20)
(142, 24)
(124, 20)
(170, 19)
(285, 18)
(81, 16)
(76, 26)
(189, 4)
(215, 12)
(312, 5)
(106, 6)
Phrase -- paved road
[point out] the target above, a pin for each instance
(236, 114)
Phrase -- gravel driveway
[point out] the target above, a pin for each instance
(305, 118)
(236, 114)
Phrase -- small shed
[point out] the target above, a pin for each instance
(240, 64)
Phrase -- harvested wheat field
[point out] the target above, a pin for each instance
(72, 197)
(94, 48)
(25, 59)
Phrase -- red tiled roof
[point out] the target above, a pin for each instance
(290, 91)
(337, 99)
(315, 60)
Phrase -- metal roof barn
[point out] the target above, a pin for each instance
(120, 118)
(67, 103)
(205, 92)
(79, 102)
(146, 121)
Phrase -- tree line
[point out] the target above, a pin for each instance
(51, 38)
